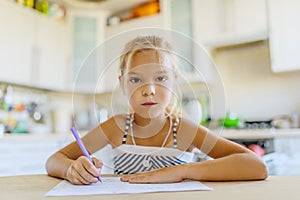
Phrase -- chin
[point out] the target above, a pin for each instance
(151, 115)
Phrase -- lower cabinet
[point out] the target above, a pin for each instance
(26, 157)
(27, 154)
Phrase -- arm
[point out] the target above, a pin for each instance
(231, 161)
(70, 164)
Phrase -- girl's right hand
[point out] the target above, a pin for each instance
(83, 172)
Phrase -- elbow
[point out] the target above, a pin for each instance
(254, 167)
(50, 166)
(47, 166)
(263, 172)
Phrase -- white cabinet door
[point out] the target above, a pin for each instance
(25, 157)
(284, 33)
(32, 48)
(229, 22)
(50, 54)
(87, 32)
(250, 17)
(16, 40)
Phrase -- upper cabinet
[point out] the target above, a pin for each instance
(228, 22)
(39, 51)
(32, 48)
(16, 41)
(141, 14)
(49, 55)
(171, 19)
(284, 40)
(86, 33)
(153, 15)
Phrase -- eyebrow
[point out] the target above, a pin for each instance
(133, 73)
(158, 72)
(162, 72)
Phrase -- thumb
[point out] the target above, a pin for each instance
(97, 162)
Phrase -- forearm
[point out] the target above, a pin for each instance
(57, 165)
(240, 166)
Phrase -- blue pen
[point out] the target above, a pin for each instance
(82, 147)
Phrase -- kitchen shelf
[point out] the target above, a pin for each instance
(24, 8)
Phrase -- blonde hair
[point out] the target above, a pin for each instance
(143, 43)
(165, 54)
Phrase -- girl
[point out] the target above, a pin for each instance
(152, 143)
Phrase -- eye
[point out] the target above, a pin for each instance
(161, 79)
(135, 80)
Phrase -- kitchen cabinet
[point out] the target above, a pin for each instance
(86, 29)
(284, 41)
(27, 153)
(25, 157)
(228, 22)
(32, 48)
(49, 65)
(115, 37)
(41, 52)
(158, 20)
(177, 29)
(16, 41)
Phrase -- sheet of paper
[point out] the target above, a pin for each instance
(113, 185)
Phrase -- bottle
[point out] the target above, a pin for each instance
(29, 3)
(43, 6)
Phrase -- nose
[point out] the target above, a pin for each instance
(148, 90)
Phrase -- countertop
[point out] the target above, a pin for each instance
(275, 187)
(257, 133)
(226, 133)
(36, 137)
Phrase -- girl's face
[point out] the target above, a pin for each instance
(148, 84)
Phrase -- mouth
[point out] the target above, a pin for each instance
(149, 104)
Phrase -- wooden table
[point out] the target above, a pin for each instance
(34, 187)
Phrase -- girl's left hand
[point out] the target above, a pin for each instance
(165, 175)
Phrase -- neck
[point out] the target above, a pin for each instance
(147, 127)
(148, 122)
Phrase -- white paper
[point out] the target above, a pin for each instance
(113, 185)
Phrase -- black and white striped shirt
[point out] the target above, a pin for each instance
(134, 158)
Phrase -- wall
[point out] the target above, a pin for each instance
(252, 90)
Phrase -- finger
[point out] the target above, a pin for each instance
(92, 171)
(81, 178)
(139, 179)
(82, 167)
(76, 181)
(76, 177)
(125, 178)
(134, 178)
(98, 164)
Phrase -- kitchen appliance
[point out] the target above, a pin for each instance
(257, 124)
(281, 121)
